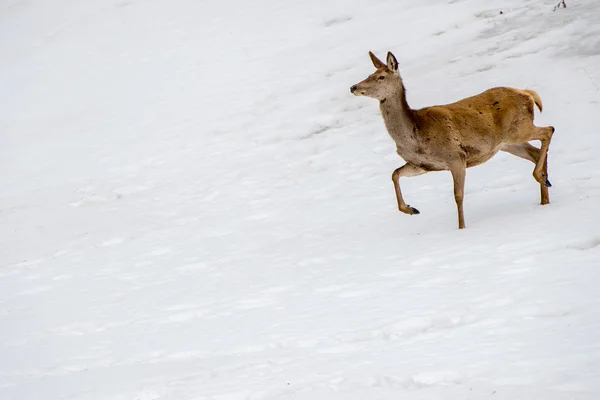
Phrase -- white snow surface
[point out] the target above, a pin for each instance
(193, 206)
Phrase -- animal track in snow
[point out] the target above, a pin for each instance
(408, 329)
(348, 341)
(586, 244)
(407, 382)
(580, 159)
(545, 311)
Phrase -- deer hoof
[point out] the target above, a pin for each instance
(406, 209)
(413, 211)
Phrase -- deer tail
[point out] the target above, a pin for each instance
(535, 97)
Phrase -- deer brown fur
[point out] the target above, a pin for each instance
(456, 136)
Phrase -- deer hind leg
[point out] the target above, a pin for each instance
(531, 153)
(405, 170)
(544, 135)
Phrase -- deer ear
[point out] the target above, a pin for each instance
(392, 63)
(376, 61)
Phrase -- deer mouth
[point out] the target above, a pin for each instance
(355, 91)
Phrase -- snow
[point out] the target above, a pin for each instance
(193, 206)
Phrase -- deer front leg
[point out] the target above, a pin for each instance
(405, 170)
(458, 175)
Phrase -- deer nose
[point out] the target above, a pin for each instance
(352, 88)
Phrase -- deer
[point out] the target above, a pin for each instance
(456, 136)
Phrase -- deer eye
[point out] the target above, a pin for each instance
(381, 78)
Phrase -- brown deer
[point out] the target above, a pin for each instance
(456, 136)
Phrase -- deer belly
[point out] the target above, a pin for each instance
(427, 162)
(476, 156)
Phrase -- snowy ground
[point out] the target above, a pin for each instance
(194, 207)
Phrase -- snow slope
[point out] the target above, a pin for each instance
(194, 207)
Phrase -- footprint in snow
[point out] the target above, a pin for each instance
(586, 244)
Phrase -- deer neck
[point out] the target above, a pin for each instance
(398, 117)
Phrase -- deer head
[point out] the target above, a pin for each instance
(383, 82)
